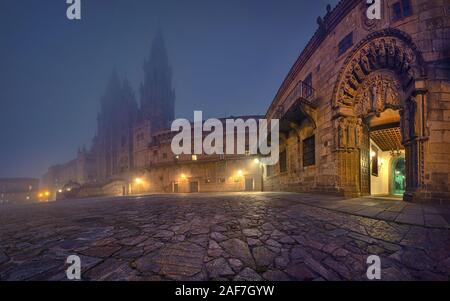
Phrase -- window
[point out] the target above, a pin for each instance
(401, 9)
(283, 162)
(307, 86)
(194, 158)
(309, 151)
(346, 43)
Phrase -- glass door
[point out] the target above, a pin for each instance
(398, 176)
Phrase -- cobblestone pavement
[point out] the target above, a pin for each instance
(213, 236)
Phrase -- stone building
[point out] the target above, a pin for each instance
(18, 190)
(157, 94)
(111, 157)
(365, 109)
(157, 169)
(80, 170)
(112, 145)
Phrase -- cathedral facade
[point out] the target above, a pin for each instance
(111, 156)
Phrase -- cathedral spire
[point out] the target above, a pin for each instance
(157, 94)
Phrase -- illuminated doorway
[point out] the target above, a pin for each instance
(386, 155)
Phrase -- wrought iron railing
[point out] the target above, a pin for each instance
(301, 91)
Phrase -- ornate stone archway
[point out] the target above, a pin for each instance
(385, 70)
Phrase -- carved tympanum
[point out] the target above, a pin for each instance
(379, 91)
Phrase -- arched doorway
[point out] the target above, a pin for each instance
(376, 99)
(385, 147)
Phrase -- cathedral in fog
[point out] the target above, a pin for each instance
(364, 111)
(112, 153)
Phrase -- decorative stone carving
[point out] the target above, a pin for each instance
(385, 50)
(349, 133)
(379, 91)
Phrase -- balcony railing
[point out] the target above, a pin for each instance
(301, 91)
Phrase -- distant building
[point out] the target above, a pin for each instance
(18, 190)
(157, 169)
(80, 170)
(112, 146)
(111, 157)
(157, 94)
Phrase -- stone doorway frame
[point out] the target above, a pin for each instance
(385, 61)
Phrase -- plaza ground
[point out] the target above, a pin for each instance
(233, 236)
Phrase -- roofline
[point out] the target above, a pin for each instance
(222, 119)
(331, 20)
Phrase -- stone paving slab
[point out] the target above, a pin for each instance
(245, 236)
(387, 209)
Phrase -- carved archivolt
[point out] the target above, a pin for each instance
(386, 50)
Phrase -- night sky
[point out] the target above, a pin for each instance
(228, 58)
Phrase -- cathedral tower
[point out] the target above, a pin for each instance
(157, 94)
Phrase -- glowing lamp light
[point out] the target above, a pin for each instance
(256, 161)
(47, 193)
(183, 176)
(138, 181)
(40, 195)
(372, 154)
(240, 173)
(60, 190)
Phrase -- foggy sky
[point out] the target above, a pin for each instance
(229, 57)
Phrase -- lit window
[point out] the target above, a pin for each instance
(194, 157)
